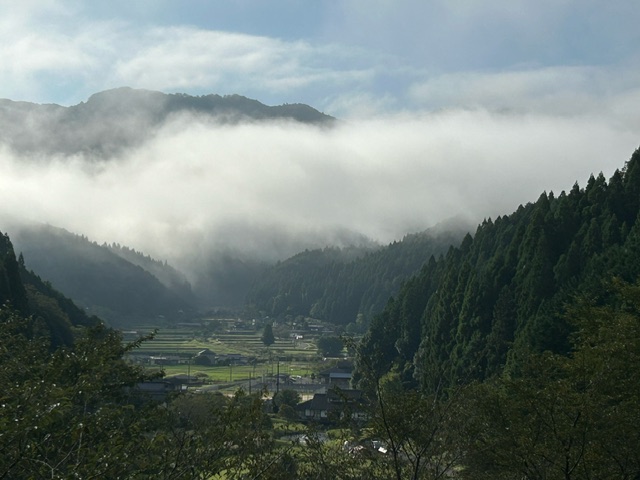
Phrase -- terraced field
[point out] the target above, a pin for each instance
(187, 341)
(180, 345)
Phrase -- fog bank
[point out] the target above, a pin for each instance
(270, 189)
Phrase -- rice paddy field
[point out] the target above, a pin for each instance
(174, 350)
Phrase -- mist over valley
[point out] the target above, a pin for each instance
(223, 187)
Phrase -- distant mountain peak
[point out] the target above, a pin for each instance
(112, 120)
(127, 98)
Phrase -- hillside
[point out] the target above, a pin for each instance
(503, 291)
(121, 285)
(170, 277)
(55, 315)
(337, 285)
(113, 120)
(99, 279)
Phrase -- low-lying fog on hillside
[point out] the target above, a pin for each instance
(263, 191)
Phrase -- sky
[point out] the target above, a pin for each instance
(346, 57)
(446, 107)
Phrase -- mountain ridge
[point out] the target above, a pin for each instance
(113, 120)
(114, 283)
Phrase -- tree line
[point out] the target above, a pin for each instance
(337, 285)
(480, 309)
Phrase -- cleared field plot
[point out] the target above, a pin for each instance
(174, 350)
(234, 373)
(186, 340)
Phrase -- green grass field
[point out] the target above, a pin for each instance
(239, 372)
(183, 344)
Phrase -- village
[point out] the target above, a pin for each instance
(225, 355)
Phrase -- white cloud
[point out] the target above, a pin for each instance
(36, 57)
(563, 91)
(198, 185)
(466, 52)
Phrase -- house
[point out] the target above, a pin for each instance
(232, 359)
(335, 404)
(205, 357)
(338, 376)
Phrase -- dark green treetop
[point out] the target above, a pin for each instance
(267, 335)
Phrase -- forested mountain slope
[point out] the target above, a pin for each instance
(99, 279)
(12, 290)
(22, 290)
(170, 277)
(501, 293)
(337, 285)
